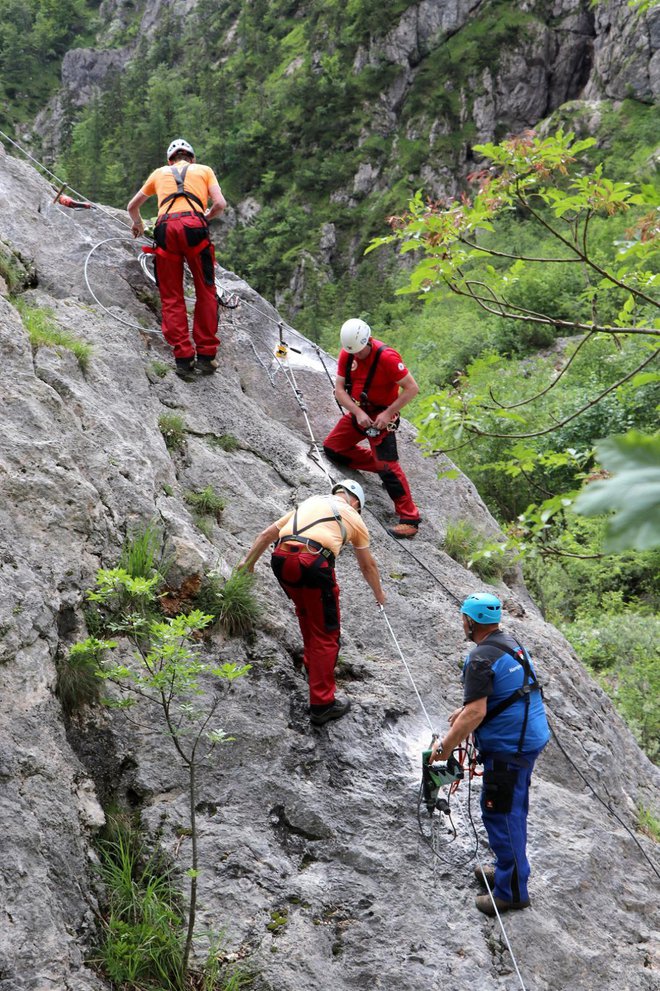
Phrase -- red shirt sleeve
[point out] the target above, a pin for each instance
(342, 363)
(392, 365)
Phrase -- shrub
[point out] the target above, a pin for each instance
(462, 541)
(232, 601)
(78, 683)
(173, 428)
(207, 502)
(623, 650)
(44, 332)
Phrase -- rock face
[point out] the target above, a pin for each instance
(318, 826)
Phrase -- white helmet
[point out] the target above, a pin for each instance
(353, 487)
(179, 145)
(354, 335)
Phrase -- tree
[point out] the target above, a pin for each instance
(544, 180)
(167, 672)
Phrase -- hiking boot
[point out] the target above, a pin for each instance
(403, 531)
(489, 871)
(485, 904)
(206, 364)
(185, 368)
(320, 714)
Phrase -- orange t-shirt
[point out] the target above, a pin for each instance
(327, 533)
(199, 179)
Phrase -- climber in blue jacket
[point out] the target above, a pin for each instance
(503, 706)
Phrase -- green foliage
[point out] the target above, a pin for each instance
(231, 601)
(278, 921)
(225, 442)
(649, 823)
(463, 541)
(34, 36)
(141, 555)
(78, 682)
(142, 930)
(43, 331)
(159, 368)
(166, 672)
(127, 602)
(173, 428)
(633, 493)
(207, 502)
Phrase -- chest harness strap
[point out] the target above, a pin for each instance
(364, 395)
(530, 684)
(314, 545)
(180, 179)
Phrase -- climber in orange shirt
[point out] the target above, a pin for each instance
(184, 189)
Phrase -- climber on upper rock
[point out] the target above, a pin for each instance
(182, 233)
(373, 384)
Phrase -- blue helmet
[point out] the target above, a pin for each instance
(483, 608)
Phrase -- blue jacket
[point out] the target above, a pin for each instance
(493, 673)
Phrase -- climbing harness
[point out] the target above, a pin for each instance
(179, 176)
(313, 545)
(530, 684)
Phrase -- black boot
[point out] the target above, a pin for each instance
(320, 714)
(185, 368)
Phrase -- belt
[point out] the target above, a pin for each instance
(310, 544)
(173, 216)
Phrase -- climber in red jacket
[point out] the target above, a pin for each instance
(373, 384)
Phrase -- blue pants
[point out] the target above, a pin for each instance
(506, 786)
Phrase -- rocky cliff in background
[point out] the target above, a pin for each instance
(318, 826)
(428, 82)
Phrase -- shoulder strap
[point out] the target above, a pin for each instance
(180, 179)
(324, 519)
(530, 684)
(364, 395)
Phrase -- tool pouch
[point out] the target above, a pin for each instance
(498, 786)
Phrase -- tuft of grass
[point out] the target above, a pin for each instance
(43, 331)
(207, 502)
(142, 939)
(141, 552)
(204, 524)
(173, 428)
(648, 822)
(461, 542)
(159, 368)
(78, 683)
(226, 442)
(232, 602)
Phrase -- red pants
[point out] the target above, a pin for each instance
(180, 238)
(309, 581)
(341, 447)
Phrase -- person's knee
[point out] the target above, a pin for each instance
(335, 456)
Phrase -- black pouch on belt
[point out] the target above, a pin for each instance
(498, 786)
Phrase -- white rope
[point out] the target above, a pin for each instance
(126, 323)
(405, 664)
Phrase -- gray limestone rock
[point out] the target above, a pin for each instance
(319, 826)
